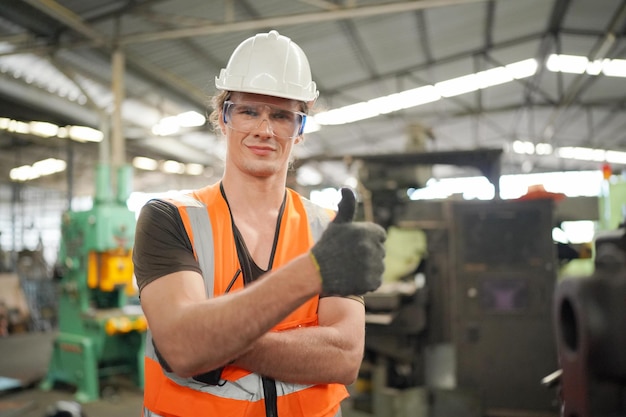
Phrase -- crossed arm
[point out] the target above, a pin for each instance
(330, 352)
(196, 335)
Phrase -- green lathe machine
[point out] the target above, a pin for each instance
(101, 331)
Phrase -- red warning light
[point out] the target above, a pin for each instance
(606, 171)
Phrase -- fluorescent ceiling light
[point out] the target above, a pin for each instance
(166, 126)
(582, 154)
(407, 99)
(570, 152)
(616, 157)
(595, 67)
(194, 169)
(494, 76)
(22, 173)
(172, 124)
(43, 129)
(38, 169)
(523, 147)
(567, 63)
(173, 167)
(147, 164)
(190, 119)
(347, 114)
(18, 127)
(85, 134)
(46, 129)
(523, 69)
(572, 184)
(543, 149)
(170, 167)
(529, 148)
(49, 166)
(580, 64)
(614, 67)
(63, 132)
(457, 86)
(426, 94)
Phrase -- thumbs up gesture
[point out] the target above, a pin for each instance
(349, 255)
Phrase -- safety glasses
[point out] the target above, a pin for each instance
(245, 116)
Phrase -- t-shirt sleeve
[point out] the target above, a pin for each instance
(162, 245)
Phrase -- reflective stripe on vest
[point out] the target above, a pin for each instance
(168, 395)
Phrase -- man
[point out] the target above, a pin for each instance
(288, 343)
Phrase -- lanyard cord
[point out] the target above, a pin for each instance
(232, 281)
(249, 275)
(251, 271)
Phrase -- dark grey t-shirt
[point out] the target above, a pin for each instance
(162, 245)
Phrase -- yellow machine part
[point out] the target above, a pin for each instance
(123, 324)
(111, 269)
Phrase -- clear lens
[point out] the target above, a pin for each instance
(247, 116)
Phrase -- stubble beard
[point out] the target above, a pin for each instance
(260, 169)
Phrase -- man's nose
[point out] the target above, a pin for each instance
(264, 127)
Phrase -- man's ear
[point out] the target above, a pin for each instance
(298, 139)
(222, 124)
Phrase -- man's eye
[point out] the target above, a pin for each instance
(282, 115)
(248, 111)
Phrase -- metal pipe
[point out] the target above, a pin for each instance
(117, 136)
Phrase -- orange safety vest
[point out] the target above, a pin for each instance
(168, 395)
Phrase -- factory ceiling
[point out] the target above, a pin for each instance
(121, 66)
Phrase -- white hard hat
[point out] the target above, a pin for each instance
(269, 64)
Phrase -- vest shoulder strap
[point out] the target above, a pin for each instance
(200, 223)
(319, 217)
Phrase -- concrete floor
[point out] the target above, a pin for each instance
(24, 358)
(33, 402)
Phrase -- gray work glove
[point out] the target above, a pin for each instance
(349, 256)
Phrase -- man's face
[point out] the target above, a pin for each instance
(256, 150)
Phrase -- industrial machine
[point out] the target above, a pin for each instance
(474, 337)
(589, 315)
(589, 318)
(100, 325)
(464, 328)
(503, 278)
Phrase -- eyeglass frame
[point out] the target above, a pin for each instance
(300, 131)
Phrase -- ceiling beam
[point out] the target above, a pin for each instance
(297, 19)
(38, 98)
(424, 38)
(350, 30)
(490, 20)
(75, 22)
(70, 19)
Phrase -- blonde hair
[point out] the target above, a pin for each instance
(217, 103)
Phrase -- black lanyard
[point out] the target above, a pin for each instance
(251, 271)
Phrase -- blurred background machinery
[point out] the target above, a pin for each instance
(589, 317)
(40, 290)
(468, 331)
(100, 323)
(28, 297)
(462, 324)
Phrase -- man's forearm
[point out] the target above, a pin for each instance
(310, 355)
